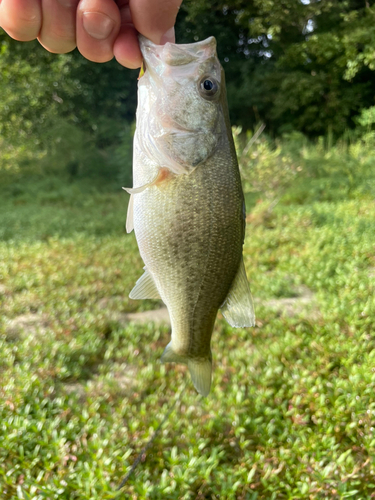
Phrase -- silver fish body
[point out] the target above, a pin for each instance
(187, 205)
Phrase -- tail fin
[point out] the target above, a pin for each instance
(200, 372)
(200, 369)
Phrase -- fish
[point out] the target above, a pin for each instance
(186, 205)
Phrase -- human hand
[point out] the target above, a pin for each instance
(100, 29)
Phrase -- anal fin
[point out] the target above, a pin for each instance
(238, 307)
(145, 288)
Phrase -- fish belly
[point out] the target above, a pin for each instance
(189, 231)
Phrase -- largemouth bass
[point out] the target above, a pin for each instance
(187, 204)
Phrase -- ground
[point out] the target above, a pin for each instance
(291, 414)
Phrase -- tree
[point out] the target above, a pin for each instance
(63, 108)
(305, 65)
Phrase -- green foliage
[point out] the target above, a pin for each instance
(105, 152)
(359, 41)
(306, 66)
(317, 171)
(268, 167)
(63, 113)
(367, 118)
(291, 413)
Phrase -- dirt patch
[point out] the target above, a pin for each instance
(77, 389)
(110, 302)
(123, 380)
(36, 324)
(158, 316)
(303, 303)
(26, 324)
(112, 306)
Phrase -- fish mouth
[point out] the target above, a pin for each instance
(174, 54)
(194, 46)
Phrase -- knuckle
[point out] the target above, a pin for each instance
(28, 19)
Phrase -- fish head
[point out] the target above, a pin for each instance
(180, 103)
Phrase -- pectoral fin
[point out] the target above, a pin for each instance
(145, 288)
(163, 174)
(130, 215)
(138, 189)
(238, 307)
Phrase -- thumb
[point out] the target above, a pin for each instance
(155, 19)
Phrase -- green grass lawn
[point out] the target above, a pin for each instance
(291, 414)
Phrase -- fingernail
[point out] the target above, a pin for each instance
(98, 25)
(168, 37)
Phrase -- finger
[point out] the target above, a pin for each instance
(126, 46)
(58, 33)
(98, 24)
(21, 19)
(155, 20)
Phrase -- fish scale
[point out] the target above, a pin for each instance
(187, 203)
(186, 252)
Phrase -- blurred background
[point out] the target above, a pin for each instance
(299, 66)
(292, 410)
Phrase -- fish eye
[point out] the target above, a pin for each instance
(208, 87)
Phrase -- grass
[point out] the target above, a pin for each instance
(291, 414)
